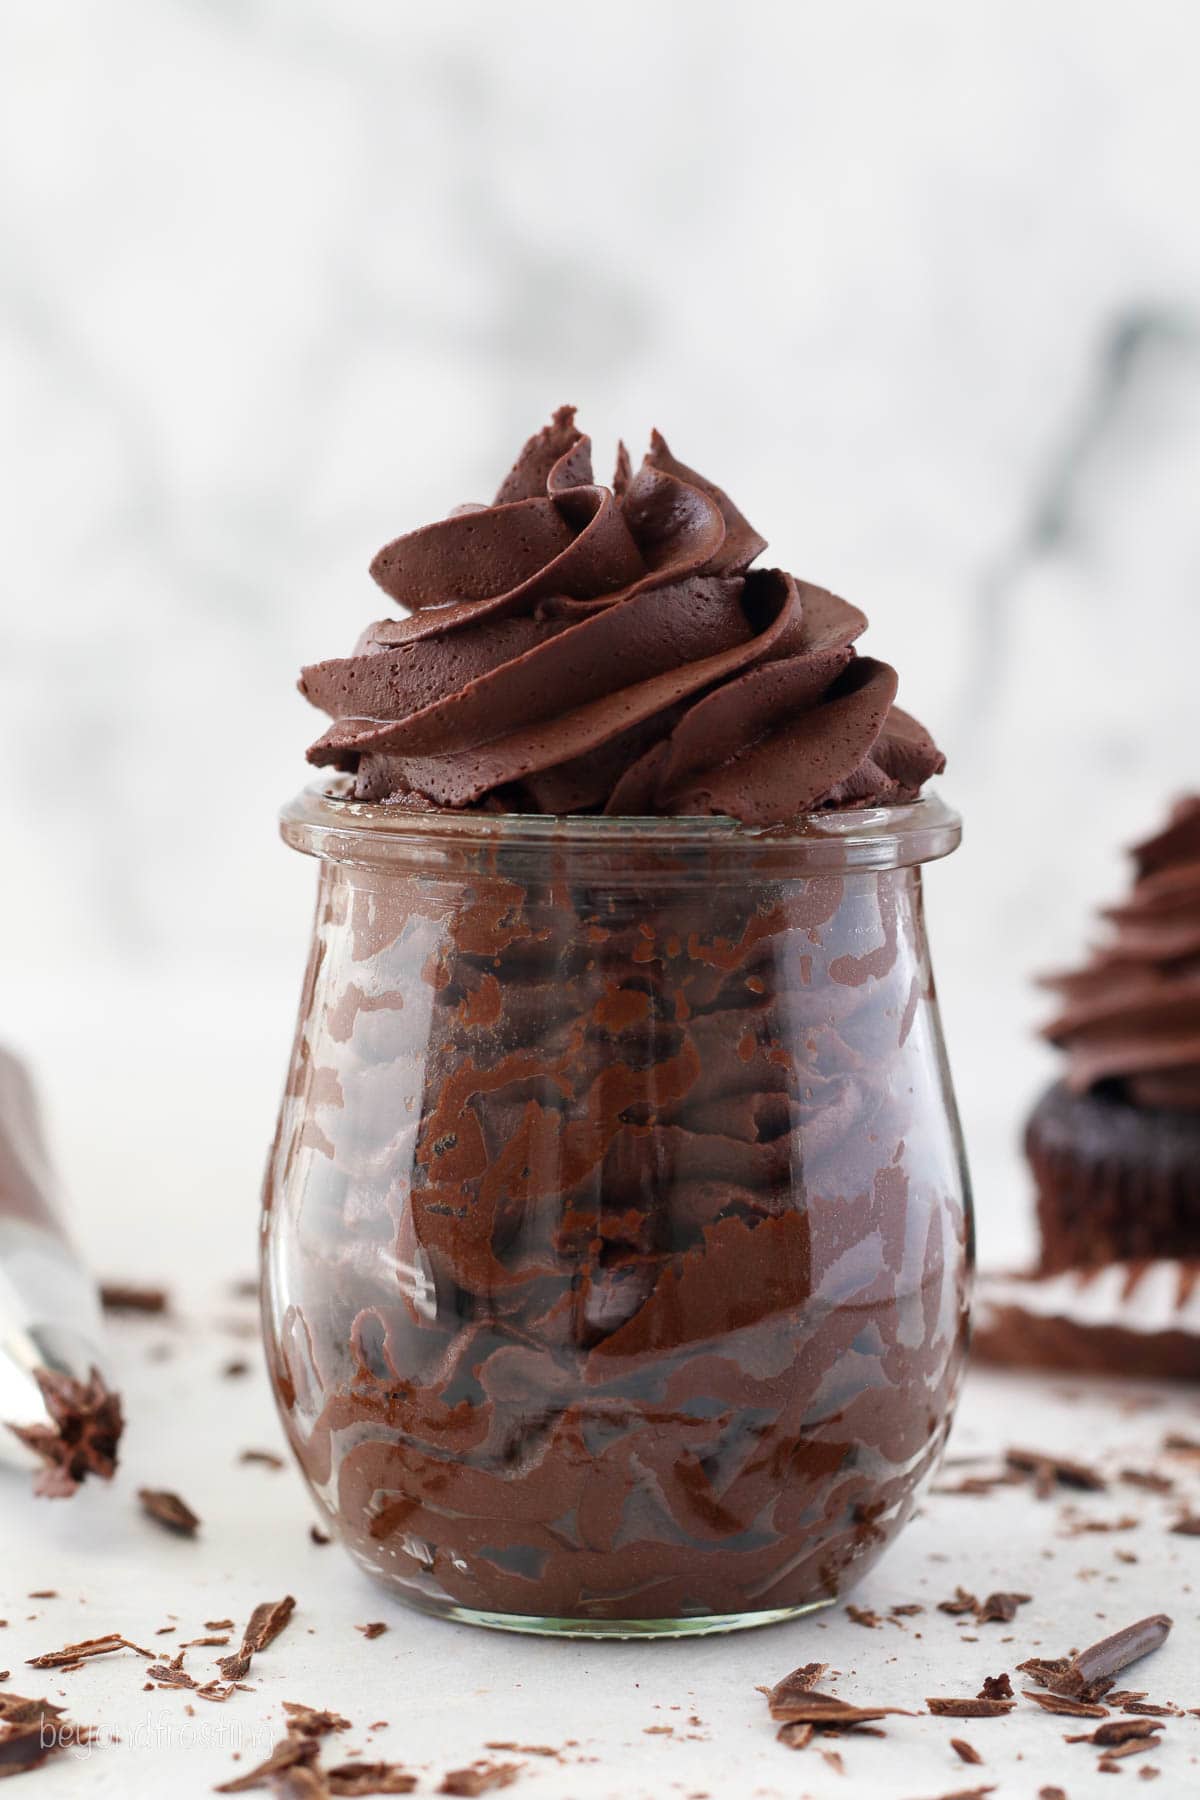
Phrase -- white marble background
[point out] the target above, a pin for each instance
(281, 278)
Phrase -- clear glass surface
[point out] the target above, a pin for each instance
(616, 1236)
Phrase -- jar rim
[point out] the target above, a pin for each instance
(325, 820)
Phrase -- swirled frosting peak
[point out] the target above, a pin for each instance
(1132, 1013)
(577, 648)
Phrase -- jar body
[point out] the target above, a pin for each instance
(616, 1236)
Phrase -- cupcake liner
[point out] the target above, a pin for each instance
(1124, 1318)
(1115, 1182)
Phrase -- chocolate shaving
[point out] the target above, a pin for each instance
(31, 1731)
(83, 1439)
(169, 1510)
(354, 1778)
(1047, 1470)
(263, 1627)
(1187, 1525)
(71, 1655)
(1111, 1759)
(1177, 1444)
(800, 1681)
(132, 1297)
(975, 1793)
(1065, 1705)
(965, 1752)
(375, 1629)
(862, 1615)
(287, 1754)
(979, 1708)
(963, 1602)
(480, 1778)
(1000, 1607)
(797, 1736)
(821, 1710)
(1118, 1731)
(267, 1458)
(218, 1690)
(908, 1610)
(312, 1721)
(1149, 1480)
(172, 1674)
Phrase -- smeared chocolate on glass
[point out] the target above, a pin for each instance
(616, 1234)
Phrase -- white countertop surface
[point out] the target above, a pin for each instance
(448, 1690)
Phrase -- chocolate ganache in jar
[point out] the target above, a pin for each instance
(616, 1233)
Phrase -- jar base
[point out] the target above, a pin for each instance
(705, 1625)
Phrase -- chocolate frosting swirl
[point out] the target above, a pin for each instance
(1132, 1013)
(576, 648)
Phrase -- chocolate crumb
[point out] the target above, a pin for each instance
(1187, 1525)
(237, 1367)
(996, 1687)
(979, 1708)
(965, 1752)
(1052, 1793)
(218, 1624)
(1177, 1444)
(318, 1536)
(266, 1458)
(480, 1778)
(375, 1629)
(862, 1615)
(83, 1439)
(908, 1610)
(169, 1510)
(133, 1297)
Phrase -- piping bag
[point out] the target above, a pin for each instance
(56, 1413)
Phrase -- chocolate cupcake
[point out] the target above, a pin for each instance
(1115, 1145)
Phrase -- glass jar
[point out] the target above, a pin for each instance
(616, 1234)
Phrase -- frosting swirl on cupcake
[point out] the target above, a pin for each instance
(1132, 1013)
(576, 648)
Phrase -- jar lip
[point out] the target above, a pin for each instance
(325, 820)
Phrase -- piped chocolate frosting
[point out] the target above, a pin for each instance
(1132, 1014)
(574, 648)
